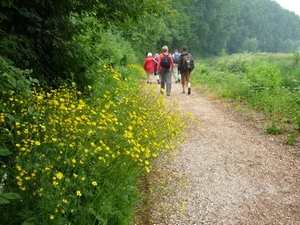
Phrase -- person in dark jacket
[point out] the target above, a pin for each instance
(185, 67)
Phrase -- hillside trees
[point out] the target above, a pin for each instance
(213, 22)
(43, 35)
(267, 23)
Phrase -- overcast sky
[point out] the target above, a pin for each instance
(292, 5)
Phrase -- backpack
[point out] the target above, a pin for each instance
(176, 57)
(165, 62)
(188, 63)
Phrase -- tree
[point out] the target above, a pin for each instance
(40, 34)
(266, 22)
(213, 22)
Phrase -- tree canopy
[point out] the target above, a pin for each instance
(58, 39)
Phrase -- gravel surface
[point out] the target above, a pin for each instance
(228, 171)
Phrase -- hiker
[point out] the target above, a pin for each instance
(165, 67)
(185, 67)
(149, 66)
(156, 58)
(175, 71)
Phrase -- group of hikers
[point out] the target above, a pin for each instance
(163, 65)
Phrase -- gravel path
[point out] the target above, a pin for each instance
(228, 171)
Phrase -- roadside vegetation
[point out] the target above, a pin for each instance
(269, 83)
(78, 131)
(73, 157)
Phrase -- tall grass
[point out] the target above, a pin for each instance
(267, 82)
(77, 157)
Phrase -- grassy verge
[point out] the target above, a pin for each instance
(269, 83)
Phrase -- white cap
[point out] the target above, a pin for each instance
(149, 54)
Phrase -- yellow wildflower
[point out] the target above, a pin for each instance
(59, 175)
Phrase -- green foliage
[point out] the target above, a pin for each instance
(273, 129)
(5, 197)
(260, 85)
(250, 45)
(212, 23)
(46, 40)
(78, 158)
(99, 46)
(264, 76)
(296, 54)
(264, 25)
(288, 46)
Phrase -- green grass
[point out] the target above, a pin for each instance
(269, 83)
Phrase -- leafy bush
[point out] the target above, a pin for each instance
(265, 76)
(98, 46)
(77, 158)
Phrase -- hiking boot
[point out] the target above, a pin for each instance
(168, 94)
(179, 80)
(183, 92)
(189, 91)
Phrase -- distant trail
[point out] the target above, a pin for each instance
(236, 173)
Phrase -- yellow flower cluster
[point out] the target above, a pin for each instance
(68, 145)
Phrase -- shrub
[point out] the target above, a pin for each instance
(264, 76)
(77, 158)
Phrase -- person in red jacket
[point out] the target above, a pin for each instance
(149, 66)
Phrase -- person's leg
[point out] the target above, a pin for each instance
(150, 77)
(188, 80)
(156, 75)
(183, 82)
(168, 75)
(162, 78)
(175, 70)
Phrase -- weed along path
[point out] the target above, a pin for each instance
(228, 171)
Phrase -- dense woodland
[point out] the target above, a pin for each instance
(65, 39)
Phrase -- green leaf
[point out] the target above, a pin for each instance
(3, 200)
(12, 118)
(4, 152)
(26, 223)
(11, 195)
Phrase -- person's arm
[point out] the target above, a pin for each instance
(179, 63)
(145, 62)
(158, 63)
(172, 63)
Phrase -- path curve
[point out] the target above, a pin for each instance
(228, 171)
